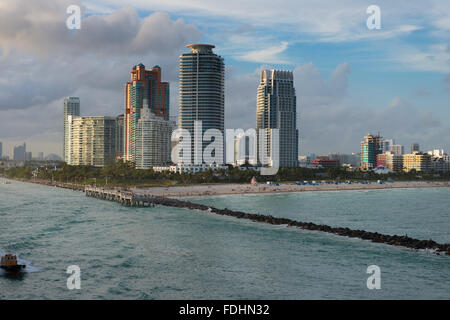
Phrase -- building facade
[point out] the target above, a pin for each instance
(153, 143)
(277, 109)
(202, 92)
(120, 137)
(92, 141)
(415, 147)
(398, 149)
(71, 108)
(371, 147)
(19, 152)
(417, 161)
(144, 84)
(326, 162)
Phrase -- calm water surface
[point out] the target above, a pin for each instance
(169, 253)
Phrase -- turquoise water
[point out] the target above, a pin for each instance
(169, 253)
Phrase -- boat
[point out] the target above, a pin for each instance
(9, 264)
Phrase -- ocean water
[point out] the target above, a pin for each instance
(169, 253)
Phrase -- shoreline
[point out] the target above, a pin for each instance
(223, 189)
(242, 189)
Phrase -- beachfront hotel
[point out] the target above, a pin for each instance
(202, 93)
(144, 84)
(277, 109)
(71, 108)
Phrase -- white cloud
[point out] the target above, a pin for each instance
(270, 54)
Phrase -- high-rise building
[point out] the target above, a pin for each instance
(202, 95)
(92, 141)
(277, 109)
(28, 156)
(1, 150)
(144, 84)
(397, 149)
(415, 148)
(40, 156)
(153, 140)
(19, 152)
(386, 145)
(71, 108)
(371, 146)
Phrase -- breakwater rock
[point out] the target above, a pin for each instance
(394, 240)
(130, 198)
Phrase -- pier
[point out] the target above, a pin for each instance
(125, 198)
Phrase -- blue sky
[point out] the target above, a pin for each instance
(349, 80)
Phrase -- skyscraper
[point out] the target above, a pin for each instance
(371, 146)
(71, 108)
(277, 109)
(1, 150)
(202, 94)
(153, 140)
(144, 84)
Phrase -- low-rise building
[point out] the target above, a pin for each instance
(417, 161)
(326, 162)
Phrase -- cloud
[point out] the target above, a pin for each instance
(40, 28)
(266, 55)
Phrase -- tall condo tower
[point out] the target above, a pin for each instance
(71, 108)
(277, 109)
(371, 146)
(202, 96)
(144, 84)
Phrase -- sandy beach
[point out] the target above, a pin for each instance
(224, 189)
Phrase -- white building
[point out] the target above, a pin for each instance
(153, 140)
(277, 109)
(71, 108)
(91, 141)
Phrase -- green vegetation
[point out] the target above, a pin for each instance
(124, 174)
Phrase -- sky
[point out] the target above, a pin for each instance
(349, 79)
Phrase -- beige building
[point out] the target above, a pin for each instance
(417, 161)
(153, 140)
(394, 161)
(91, 141)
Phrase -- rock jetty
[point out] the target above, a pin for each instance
(149, 200)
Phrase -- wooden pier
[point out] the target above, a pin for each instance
(125, 198)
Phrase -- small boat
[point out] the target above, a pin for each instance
(9, 264)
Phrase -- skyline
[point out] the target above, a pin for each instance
(345, 87)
